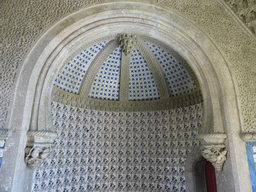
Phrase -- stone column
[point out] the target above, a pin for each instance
(213, 149)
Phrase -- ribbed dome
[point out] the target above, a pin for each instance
(149, 72)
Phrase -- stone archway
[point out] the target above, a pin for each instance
(46, 58)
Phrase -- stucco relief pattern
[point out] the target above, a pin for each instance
(246, 11)
(24, 21)
(119, 151)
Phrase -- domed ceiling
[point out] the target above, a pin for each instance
(126, 69)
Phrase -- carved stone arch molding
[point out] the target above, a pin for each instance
(90, 24)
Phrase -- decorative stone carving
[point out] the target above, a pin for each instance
(38, 147)
(216, 154)
(252, 25)
(34, 156)
(212, 138)
(246, 12)
(248, 137)
(67, 98)
(127, 43)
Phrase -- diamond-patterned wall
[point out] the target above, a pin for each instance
(118, 151)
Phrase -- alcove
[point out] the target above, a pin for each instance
(45, 60)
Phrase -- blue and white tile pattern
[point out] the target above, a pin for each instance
(176, 75)
(142, 85)
(106, 82)
(251, 155)
(2, 144)
(112, 151)
(70, 78)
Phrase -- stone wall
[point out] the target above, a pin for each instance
(24, 22)
(119, 151)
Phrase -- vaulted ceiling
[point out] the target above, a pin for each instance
(127, 69)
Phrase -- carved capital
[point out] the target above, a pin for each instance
(38, 147)
(34, 156)
(216, 154)
(127, 43)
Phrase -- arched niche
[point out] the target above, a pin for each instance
(195, 171)
(31, 115)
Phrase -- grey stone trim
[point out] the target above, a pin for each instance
(248, 136)
(45, 138)
(41, 133)
(81, 101)
(158, 74)
(212, 138)
(95, 66)
(124, 77)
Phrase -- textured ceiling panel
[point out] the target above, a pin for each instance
(70, 78)
(142, 85)
(176, 75)
(106, 82)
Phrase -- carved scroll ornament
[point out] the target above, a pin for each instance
(216, 154)
(39, 147)
(34, 156)
(127, 43)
